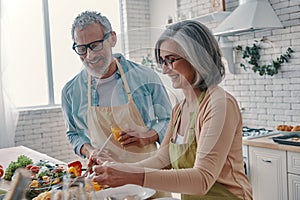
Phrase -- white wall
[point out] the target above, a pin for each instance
(160, 11)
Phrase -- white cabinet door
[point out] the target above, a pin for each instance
(268, 173)
(294, 187)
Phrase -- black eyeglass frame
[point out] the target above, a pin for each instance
(167, 62)
(74, 46)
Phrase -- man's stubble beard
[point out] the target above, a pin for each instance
(97, 73)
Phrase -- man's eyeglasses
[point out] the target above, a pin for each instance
(168, 62)
(94, 46)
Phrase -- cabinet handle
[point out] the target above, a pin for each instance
(266, 160)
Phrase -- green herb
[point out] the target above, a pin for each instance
(252, 57)
(22, 161)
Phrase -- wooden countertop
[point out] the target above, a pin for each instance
(7, 155)
(267, 142)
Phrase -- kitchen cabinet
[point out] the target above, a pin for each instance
(268, 173)
(293, 175)
(294, 186)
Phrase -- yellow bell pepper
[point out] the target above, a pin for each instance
(34, 183)
(73, 171)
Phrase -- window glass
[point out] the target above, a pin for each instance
(23, 55)
(22, 52)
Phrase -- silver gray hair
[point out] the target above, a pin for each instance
(88, 17)
(199, 48)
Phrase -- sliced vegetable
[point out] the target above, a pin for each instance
(1, 172)
(29, 166)
(34, 183)
(35, 169)
(73, 172)
(22, 161)
(77, 165)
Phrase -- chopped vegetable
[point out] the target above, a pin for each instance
(29, 166)
(1, 172)
(73, 172)
(77, 165)
(35, 169)
(22, 162)
(34, 184)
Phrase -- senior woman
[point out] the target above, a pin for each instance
(201, 154)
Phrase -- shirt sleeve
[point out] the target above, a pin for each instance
(76, 136)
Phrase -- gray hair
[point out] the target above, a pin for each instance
(87, 18)
(199, 48)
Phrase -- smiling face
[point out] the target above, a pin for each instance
(182, 74)
(98, 63)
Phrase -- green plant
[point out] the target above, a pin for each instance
(251, 56)
(148, 61)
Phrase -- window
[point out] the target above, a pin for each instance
(24, 59)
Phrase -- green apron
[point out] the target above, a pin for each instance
(184, 155)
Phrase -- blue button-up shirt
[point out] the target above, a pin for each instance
(149, 95)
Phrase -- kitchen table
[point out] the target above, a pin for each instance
(7, 155)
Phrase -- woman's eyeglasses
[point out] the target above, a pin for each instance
(94, 46)
(168, 62)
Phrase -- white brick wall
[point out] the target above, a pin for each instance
(43, 129)
(136, 19)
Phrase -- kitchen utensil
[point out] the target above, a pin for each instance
(90, 167)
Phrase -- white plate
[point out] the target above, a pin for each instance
(125, 190)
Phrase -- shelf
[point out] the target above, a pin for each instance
(210, 17)
(215, 16)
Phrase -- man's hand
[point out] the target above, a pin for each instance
(99, 158)
(138, 138)
(87, 150)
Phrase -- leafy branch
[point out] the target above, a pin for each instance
(251, 56)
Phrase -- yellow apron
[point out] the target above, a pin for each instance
(101, 119)
(184, 155)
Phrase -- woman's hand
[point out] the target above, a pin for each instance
(118, 174)
(137, 137)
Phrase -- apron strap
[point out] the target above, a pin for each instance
(89, 91)
(194, 114)
(124, 80)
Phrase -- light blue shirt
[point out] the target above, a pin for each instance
(149, 95)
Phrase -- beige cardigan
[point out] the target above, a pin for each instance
(219, 151)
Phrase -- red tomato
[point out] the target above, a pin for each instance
(35, 169)
(29, 166)
(1, 166)
(1, 172)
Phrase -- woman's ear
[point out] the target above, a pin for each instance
(113, 39)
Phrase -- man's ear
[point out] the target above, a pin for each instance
(113, 39)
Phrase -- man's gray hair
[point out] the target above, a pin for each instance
(88, 17)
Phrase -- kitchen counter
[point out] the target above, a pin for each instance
(267, 142)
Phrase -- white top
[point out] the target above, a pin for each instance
(179, 139)
(107, 91)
